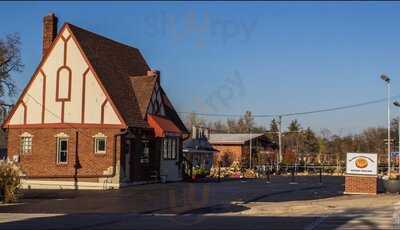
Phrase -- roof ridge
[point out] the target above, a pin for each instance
(101, 36)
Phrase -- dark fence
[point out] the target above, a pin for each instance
(312, 169)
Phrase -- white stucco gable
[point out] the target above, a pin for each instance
(64, 90)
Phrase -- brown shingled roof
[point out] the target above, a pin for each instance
(114, 62)
(144, 88)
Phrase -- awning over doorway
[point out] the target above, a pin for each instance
(163, 126)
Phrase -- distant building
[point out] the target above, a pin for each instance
(236, 147)
(198, 150)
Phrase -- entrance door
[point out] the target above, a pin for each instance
(169, 163)
(139, 162)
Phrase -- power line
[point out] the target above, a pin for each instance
(295, 113)
(55, 115)
(256, 115)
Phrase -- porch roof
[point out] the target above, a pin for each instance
(162, 126)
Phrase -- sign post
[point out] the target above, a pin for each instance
(361, 173)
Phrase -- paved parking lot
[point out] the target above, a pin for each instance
(306, 204)
(168, 198)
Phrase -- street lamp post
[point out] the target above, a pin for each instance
(397, 104)
(387, 80)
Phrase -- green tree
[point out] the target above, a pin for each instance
(310, 145)
(293, 138)
(294, 126)
(273, 130)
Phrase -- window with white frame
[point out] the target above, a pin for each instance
(100, 143)
(170, 148)
(26, 143)
(62, 150)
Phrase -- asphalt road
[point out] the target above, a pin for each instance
(254, 204)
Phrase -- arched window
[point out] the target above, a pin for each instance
(63, 84)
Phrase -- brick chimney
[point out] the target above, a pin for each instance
(49, 31)
(155, 73)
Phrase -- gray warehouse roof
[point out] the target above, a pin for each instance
(232, 138)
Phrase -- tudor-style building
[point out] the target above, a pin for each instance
(93, 115)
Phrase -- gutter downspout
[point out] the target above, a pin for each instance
(86, 176)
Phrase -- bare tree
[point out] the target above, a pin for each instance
(192, 119)
(10, 61)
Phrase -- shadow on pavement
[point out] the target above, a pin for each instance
(351, 218)
(177, 198)
(219, 208)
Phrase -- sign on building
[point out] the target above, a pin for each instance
(362, 163)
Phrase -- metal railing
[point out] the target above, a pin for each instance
(314, 169)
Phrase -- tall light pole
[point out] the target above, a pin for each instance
(397, 104)
(387, 80)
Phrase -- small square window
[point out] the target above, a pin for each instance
(26, 145)
(100, 144)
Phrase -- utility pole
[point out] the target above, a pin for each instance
(279, 158)
(251, 151)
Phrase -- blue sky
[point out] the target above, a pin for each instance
(228, 57)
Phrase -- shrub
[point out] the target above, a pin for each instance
(393, 176)
(9, 180)
(200, 172)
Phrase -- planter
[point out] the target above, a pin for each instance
(391, 186)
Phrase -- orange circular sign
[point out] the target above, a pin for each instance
(361, 163)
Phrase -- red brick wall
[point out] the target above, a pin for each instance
(234, 150)
(361, 184)
(42, 161)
